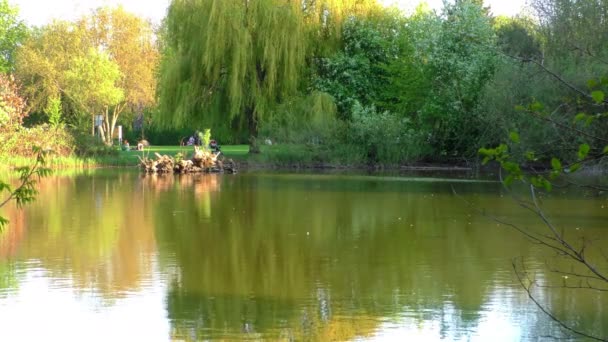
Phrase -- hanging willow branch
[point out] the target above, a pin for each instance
(231, 61)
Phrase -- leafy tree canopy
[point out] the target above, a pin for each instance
(12, 32)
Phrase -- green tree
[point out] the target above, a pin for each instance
(230, 60)
(12, 32)
(92, 82)
(129, 41)
(357, 73)
(228, 63)
(573, 29)
(518, 37)
(48, 60)
(42, 62)
(460, 63)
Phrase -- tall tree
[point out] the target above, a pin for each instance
(44, 58)
(231, 59)
(228, 62)
(461, 61)
(130, 43)
(12, 33)
(574, 27)
(119, 43)
(92, 81)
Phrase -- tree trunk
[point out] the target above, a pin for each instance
(115, 114)
(102, 134)
(107, 135)
(252, 122)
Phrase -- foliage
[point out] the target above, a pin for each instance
(12, 104)
(88, 146)
(53, 110)
(101, 63)
(43, 60)
(302, 120)
(227, 63)
(92, 82)
(357, 73)
(460, 63)
(129, 41)
(20, 141)
(589, 145)
(573, 30)
(205, 138)
(230, 62)
(25, 192)
(518, 37)
(385, 137)
(12, 32)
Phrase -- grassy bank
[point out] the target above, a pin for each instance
(121, 158)
(275, 156)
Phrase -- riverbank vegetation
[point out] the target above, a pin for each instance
(346, 83)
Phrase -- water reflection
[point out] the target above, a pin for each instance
(281, 257)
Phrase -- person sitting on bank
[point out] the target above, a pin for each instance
(125, 145)
(191, 141)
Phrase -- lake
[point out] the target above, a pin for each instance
(112, 255)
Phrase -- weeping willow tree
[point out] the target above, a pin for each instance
(228, 62)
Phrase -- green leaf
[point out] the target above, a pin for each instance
(580, 117)
(3, 222)
(598, 96)
(536, 181)
(514, 136)
(583, 151)
(485, 152)
(547, 185)
(530, 156)
(605, 150)
(574, 167)
(536, 106)
(556, 164)
(520, 108)
(554, 174)
(591, 83)
(512, 167)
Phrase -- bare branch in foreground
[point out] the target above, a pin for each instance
(528, 289)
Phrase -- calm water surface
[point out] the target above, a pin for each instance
(114, 256)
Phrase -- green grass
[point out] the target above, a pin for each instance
(123, 158)
(126, 158)
(307, 155)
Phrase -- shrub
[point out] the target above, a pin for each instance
(385, 137)
(16, 140)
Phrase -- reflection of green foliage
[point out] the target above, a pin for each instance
(8, 276)
(248, 264)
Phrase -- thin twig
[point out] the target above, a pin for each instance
(546, 311)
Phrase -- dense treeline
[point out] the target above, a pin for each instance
(67, 73)
(376, 86)
(351, 81)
